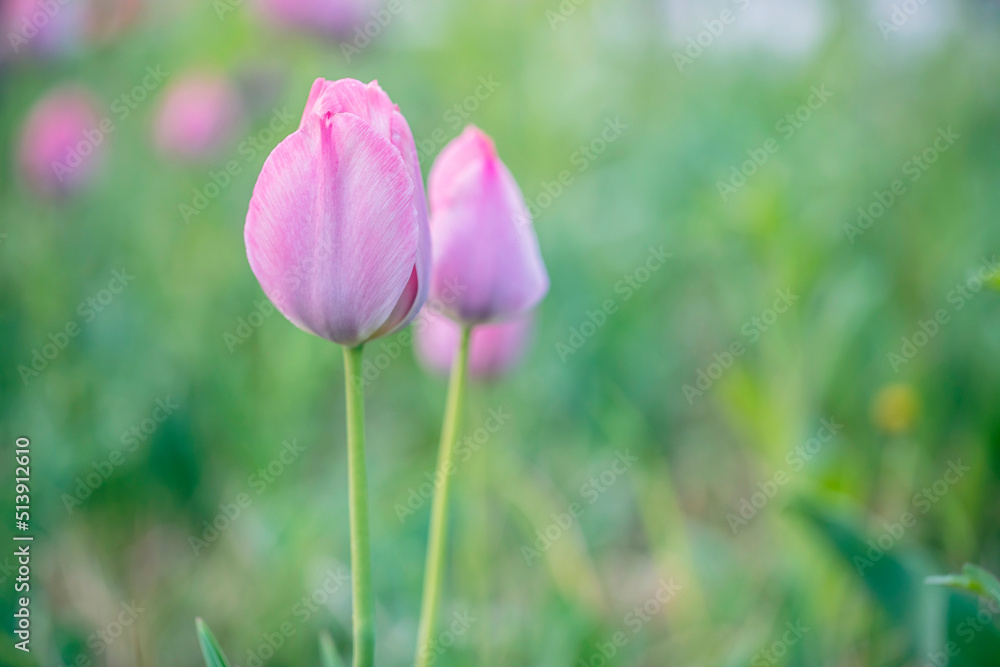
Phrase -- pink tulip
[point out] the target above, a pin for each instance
(337, 228)
(41, 27)
(62, 142)
(482, 235)
(199, 116)
(494, 348)
(328, 17)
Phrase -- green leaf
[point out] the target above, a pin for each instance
(214, 657)
(932, 619)
(973, 579)
(328, 651)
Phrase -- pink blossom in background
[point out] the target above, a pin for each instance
(337, 228)
(494, 348)
(199, 115)
(482, 235)
(335, 18)
(62, 141)
(41, 27)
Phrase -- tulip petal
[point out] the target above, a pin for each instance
(332, 231)
(366, 101)
(494, 348)
(402, 139)
(482, 237)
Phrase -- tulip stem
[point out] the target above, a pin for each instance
(361, 556)
(437, 539)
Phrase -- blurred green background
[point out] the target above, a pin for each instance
(791, 476)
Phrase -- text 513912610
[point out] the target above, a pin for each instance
(22, 546)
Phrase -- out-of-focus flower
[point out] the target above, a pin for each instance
(482, 235)
(199, 116)
(895, 408)
(494, 348)
(62, 141)
(335, 18)
(337, 227)
(41, 27)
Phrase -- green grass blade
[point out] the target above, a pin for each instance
(210, 649)
(328, 651)
(973, 579)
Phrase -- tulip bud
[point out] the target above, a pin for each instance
(337, 228)
(493, 348)
(482, 235)
(327, 17)
(198, 116)
(62, 142)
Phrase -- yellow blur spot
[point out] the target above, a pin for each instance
(895, 408)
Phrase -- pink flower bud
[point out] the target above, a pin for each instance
(493, 349)
(482, 235)
(337, 228)
(62, 142)
(199, 115)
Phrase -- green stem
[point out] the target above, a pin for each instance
(437, 539)
(361, 554)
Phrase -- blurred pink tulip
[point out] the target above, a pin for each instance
(199, 116)
(482, 236)
(62, 141)
(328, 17)
(494, 348)
(41, 27)
(337, 228)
